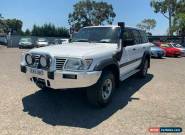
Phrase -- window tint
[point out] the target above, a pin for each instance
(137, 37)
(128, 37)
(144, 37)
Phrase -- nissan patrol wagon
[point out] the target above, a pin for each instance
(97, 58)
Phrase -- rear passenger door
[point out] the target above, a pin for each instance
(135, 50)
(128, 65)
(145, 42)
(138, 43)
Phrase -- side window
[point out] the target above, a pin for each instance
(137, 36)
(128, 37)
(144, 37)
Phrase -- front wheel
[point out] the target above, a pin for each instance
(101, 93)
(43, 87)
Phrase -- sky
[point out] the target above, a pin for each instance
(56, 12)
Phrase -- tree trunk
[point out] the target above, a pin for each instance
(183, 36)
(170, 23)
(183, 40)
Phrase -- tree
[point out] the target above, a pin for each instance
(2, 24)
(49, 30)
(90, 12)
(27, 32)
(14, 25)
(179, 19)
(1, 16)
(147, 24)
(167, 8)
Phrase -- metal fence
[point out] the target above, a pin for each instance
(176, 39)
(13, 40)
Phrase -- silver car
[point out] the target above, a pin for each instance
(26, 43)
(42, 42)
(157, 52)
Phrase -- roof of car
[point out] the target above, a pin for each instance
(111, 26)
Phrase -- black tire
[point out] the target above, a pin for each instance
(96, 93)
(160, 56)
(144, 69)
(43, 87)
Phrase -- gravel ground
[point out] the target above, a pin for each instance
(138, 104)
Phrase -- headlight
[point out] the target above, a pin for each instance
(77, 64)
(29, 59)
(44, 61)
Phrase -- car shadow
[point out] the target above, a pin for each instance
(70, 108)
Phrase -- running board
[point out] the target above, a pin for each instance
(124, 77)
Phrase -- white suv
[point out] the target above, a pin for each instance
(97, 58)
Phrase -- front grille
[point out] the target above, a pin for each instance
(60, 63)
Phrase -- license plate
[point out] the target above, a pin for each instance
(36, 71)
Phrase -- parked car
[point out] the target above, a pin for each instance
(26, 43)
(157, 52)
(3, 40)
(97, 63)
(42, 42)
(170, 50)
(180, 47)
(61, 41)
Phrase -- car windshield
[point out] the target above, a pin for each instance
(166, 45)
(97, 35)
(25, 40)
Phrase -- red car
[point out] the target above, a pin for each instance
(170, 50)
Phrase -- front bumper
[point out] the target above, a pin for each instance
(42, 45)
(158, 54)
(26, 46)
(183, 54)
(65, 79)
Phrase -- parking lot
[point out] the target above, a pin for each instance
(156, 101)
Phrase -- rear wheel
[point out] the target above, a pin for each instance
(101, 93)
(144, 69)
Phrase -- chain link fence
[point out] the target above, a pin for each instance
(13, 41)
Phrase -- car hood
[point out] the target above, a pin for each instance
(171, 49)
(77, 50)
(156, 49)
(25, 43)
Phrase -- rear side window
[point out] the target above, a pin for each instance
(144, 37)
(128, 37)
(137, 36)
